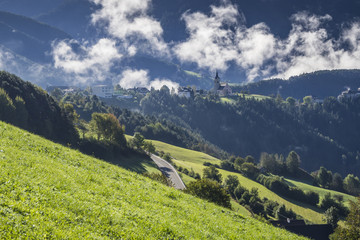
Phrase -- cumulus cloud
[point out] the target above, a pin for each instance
(128, 20)
(129, 29)
(221, 38)
(89, 62)
(215, 41)
(140, 78)
(210, 42)
(308, 47)
(256, 46)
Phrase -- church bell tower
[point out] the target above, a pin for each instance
(216, 82)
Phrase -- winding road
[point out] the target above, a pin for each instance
(169, 172)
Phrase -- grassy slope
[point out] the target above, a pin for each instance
(247, 96)
(321, 191)
(193, 159)
(49, 191)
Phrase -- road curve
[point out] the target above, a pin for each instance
(169, 172)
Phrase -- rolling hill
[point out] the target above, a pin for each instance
(28, 37)
(49, 191)
(194, 160)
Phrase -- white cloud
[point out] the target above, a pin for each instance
(134, 78)
(220, 38)
(308, 47)
(256, 46)
(89, 63)
(158, 83)
(210, 43)
(140, 78)
(127, 20)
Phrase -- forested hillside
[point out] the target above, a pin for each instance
(323, 134)
(319, 84)
(31, 108)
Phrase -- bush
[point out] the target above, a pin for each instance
(328, 202)
(278, 185)
(209, 190)
(239, 191)
(269, 207)
(227, 165)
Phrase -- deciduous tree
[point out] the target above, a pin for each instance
(352, 224)
(209, 190)
(293, 162)
(212, 173)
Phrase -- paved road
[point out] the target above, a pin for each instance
(169, 172)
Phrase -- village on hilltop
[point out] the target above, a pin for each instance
(109, 91)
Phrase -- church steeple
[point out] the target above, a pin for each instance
(216, 82)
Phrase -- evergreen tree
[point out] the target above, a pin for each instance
(7, 107)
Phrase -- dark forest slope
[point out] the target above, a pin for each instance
(41, 115)
(319, 84)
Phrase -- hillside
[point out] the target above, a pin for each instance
(40, 113)
(319, 84)
(49, 191)
(193, 160)
(28, 37)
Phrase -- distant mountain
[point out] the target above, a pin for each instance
(76, 11)
(320, 84)
(27, 37)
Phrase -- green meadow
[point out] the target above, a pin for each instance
(48, 191)
(232, 99)
(321, 191)
(194, 160)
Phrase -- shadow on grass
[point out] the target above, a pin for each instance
(133, 161)
(121, 156)
(303, 205)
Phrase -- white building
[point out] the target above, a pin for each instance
(185, 92)
(104, 91)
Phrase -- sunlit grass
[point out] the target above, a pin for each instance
(49, 191)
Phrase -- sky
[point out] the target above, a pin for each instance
(215, 40)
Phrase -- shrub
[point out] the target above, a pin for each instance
(209, 190)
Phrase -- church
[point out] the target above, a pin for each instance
(221, 89)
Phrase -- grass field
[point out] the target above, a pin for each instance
(194, 160)
(232, 99)
(48, 191)
(321, 191)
